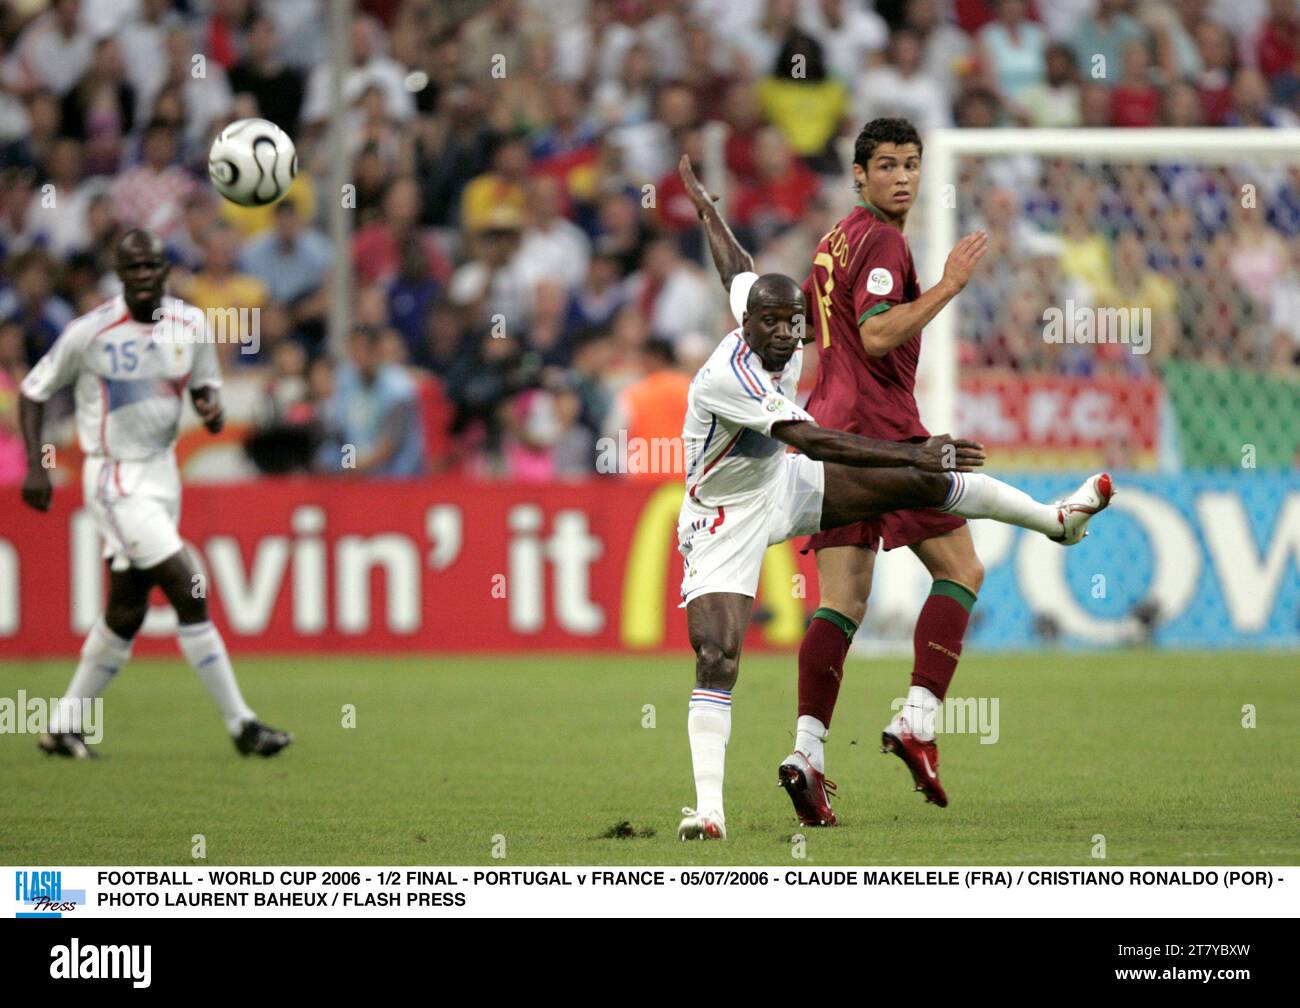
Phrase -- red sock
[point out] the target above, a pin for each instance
(939, 631)
(821, 663)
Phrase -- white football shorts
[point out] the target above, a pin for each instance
(722, 547)
(136, 506)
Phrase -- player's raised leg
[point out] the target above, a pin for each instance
(106, 650)
(844, 574)
(204, 649)
(853, 492)
(716, 623)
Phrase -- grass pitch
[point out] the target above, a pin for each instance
(1147, 749)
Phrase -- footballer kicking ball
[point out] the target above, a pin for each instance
(252, 162)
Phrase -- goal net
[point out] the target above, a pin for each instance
(1138, 310)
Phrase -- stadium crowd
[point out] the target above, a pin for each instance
(529, 274)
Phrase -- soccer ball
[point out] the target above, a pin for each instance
(252, 162)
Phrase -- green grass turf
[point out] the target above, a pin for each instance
(1147, 749)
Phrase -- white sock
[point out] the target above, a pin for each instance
(921, 709)
(204, 649)
(975, 495)
(708, 723)
(809, 736)
(102, 656)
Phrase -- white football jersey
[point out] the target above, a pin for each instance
(130, 377)
(732, 404)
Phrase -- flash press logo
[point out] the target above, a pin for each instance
(43, 892)
(75, 961)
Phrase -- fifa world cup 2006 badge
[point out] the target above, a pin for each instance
(774, 404)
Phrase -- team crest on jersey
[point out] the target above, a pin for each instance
(880, 281)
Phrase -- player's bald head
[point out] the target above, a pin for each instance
(137, 241)
(771, 290)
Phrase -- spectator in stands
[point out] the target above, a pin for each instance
(781, 193)
(600, 296)
(1055, 103)
(1099, 41)
(411, 294)
(33, 305)
(673, 294)
(370, 65)
(650, 410)
(1218, 63)
(804, 102)
(1258, 255)
(1135, 100)
(710, 70)
(1251, 105)
(377, 248)
(849, 34)
(154, 194)
(141, 39)
(100, 110)
(446, 155)
(495, 285)
(263, 73)
(53, 51)
(978, 108)
(1276, 44)
(293, 261)
(375, 411)
(901, 87)
(1181, 106)
(446, 339)
(185, 247)
(56, 220)
(1013, 49)
(554, 248)
(502, 186)
(623, 231)
(1284, 315)
(1094, 105)
(287, 432)
(206, 97)
(228, 297)
(946, 49)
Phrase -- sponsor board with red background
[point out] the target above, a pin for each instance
(315, 566)
(329, 565)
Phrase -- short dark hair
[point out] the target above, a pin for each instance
(878, 131)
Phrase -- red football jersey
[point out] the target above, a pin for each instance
(862, 267)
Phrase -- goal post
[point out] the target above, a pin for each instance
(945, 218)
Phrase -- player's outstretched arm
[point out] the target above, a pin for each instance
(37, 489)
(883, 332)
(728, 255)
(939, 454)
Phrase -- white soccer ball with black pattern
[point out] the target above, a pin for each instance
(252, 162)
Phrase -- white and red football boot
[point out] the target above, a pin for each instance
(1077, 509)
(809, 790)
(921, 758)
(701, 826)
